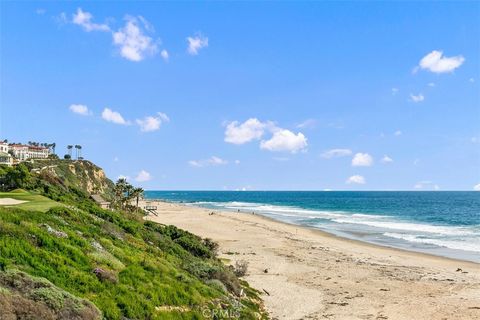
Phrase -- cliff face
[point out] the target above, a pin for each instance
(81, 174)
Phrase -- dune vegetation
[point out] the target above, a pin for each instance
(113, 261)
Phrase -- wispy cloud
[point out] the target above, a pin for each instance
(476, 187)
(80, 109)
(356, 179)
(285, 140)
(212, 161)
(240, 133)
(152, 123)
(386, 159)
(336, 153)
(196, 43)
(143, 176)
(164, 54)
(254, 129)
(417, 98)
(307, 124)
(362, 160)
(132, 40)
(84, 19)
(436, 62)
(114, 117)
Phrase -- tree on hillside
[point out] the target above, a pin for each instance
(69, 149)
(119, 191)
(137, 194)
(125, 193)
(16, 177)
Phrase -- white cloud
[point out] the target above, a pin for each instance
(431, 84)
(143, 176)
(476, 187)
(237, 161)
(417, 98)
(426, 185)
(356, 179)
(134, 44)
(336, 153)
(196, 43)
(285, 140)
(437, 63)
(398, 133)
(362, 160)
(471, 80)
(164, 54)
(152, 123)
(252, 129)
(386, 159)
(394, 91)
(40, 11)
(84, 19)
(80, 109)
(307, 124)
(212, 161)
(113, 116)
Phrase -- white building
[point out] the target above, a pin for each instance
(4, 147)
(6, 159)
(23, 152)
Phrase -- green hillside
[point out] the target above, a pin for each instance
(126, 267)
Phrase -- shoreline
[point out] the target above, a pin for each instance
(309, 273)
(327, 233)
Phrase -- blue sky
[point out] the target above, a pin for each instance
(244, 95)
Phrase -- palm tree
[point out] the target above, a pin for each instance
(79, 152)
(119, 190)
(69, 148)
(137, 193)
(76, 150)
(53, 145)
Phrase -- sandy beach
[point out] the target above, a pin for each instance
(304, 273)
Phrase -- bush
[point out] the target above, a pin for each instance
(217, 284)
(241, 267)
(211, 245)
(105, 275)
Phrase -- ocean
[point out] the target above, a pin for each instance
(440, 223)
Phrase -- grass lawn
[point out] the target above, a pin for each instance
(35, 202)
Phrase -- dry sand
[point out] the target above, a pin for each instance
(10, 202)
(309, 274)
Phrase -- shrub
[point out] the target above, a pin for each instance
(211, 245)
(217, 284)
(241, 267)
(105, 275)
